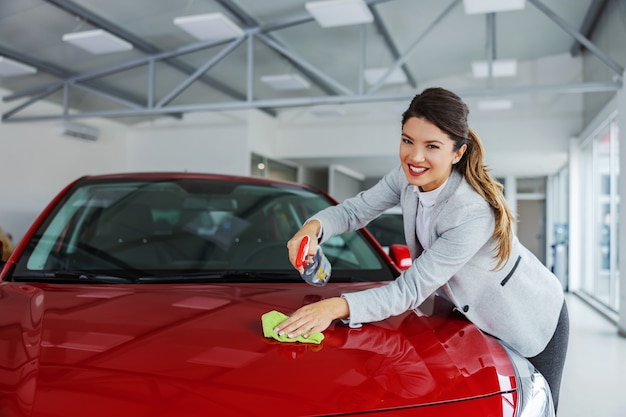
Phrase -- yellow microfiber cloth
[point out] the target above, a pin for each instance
(273, 318)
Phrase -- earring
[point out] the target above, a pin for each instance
(455, 161)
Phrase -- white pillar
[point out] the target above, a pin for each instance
(621, 121)
(575, 218)
(510, 194)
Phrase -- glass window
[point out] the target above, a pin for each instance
(183, 229)
(600, 172)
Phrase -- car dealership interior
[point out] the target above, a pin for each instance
(313, 92)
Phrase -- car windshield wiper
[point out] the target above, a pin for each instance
(222, 277)
(73, 277)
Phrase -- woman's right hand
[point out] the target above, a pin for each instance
(310, 229)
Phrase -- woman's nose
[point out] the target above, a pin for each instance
(417, 156)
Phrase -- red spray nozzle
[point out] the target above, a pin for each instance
(303, 251)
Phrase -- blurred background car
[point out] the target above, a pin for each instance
(7, 245)
(142, 294)
(388, 228)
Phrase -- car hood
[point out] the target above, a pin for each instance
(199, 350)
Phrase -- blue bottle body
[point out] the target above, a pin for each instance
(317, 273)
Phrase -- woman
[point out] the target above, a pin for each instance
(459, 230)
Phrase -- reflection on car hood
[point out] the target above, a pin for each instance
(195, 350)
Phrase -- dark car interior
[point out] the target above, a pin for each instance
(161, 228)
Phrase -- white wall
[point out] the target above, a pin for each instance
(37, 162)
(199, 143)
(202, 142)
(522, 141)
(343, 183)
(261, 133)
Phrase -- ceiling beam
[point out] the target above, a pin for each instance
(610, 62)
(198, 73)
(94, 87)
(337, 93)
(273, 43)
(490, 19)
(595, 10)
(393, 49)
(140, 44)
(402, 59)
(311, 101)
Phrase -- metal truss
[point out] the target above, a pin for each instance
(336, 93)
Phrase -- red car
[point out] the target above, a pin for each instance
(142, 295)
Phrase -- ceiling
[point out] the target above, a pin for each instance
(169, 73)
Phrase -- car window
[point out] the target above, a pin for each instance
(388, 229)
(184, 226)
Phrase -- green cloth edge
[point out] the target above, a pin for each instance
(273, 318)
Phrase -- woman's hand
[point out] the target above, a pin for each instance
(314, 317)
(311, 229)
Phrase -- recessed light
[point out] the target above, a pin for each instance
(499, 68)
(330, 13)
(11, 68)
(373, 76)
(97, 41)
(492, 6)
(211, 26)
(495, 104)
(286, 82)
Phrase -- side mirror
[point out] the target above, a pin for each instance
(400, 255)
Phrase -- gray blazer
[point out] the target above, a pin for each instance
(519, 303)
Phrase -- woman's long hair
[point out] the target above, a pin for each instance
(449, 113)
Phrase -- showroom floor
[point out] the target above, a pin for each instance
(595, 370)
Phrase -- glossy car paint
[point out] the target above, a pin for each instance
(198, 350)
(191, 350)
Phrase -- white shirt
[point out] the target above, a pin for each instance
(427, 201)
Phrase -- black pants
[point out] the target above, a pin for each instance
(550, 362)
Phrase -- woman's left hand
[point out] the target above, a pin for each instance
(314, 317)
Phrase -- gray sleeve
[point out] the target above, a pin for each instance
(356, 212)
(456, 245)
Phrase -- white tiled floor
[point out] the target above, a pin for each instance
(594, 379)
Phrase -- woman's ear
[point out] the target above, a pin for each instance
(459, 154)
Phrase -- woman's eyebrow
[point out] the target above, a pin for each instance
(436, 140)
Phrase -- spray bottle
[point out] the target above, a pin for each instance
(317, 272)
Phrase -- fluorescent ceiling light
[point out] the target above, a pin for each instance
(286, 82)
(373, 75)
(499, 68)
(211, 26)
(10, 68)
(97, 41)
(492, 6)
(329, 13)
(495, 104)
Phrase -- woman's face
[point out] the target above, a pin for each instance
(426, 154)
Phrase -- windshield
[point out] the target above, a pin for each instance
(184, 228)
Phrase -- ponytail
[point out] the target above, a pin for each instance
(449, 113)
(478, 177)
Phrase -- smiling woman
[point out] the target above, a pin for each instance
(459, 231)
